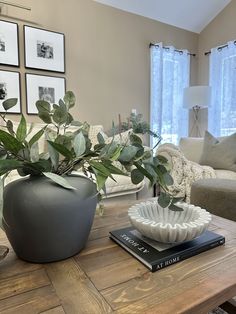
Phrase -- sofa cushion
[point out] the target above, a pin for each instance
(219, 153)
(191, 147)
(225, 174)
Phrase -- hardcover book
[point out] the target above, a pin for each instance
(156, 255)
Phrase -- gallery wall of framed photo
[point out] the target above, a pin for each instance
(44, 52)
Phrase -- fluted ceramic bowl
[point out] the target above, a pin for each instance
(167, 226)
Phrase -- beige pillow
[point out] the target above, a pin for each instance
(219, 153)
(191, 147)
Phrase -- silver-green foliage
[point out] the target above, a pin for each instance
(68, 151)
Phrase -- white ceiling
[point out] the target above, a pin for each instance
(192, 15)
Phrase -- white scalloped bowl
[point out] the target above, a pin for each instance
(167, 226)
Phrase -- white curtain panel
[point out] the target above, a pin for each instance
(222, 112)
(170, 71)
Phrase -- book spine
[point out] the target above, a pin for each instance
(177, 258)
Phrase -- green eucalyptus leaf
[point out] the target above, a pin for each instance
(76, 123)
(175, 208)
(55, 106)
(61, 149)
(128, 153)
(152, 173)
(37, 168)
(69, 118)
(64, 140)
(36, 137)
(62, 105)
(9, 103)
(136, 176)
(22, 172)
(177, 199)
(79, 144)
(156, 161)
(3, 153)
(100, 138)
(69, 99)
(10, 143)
(8, 165)
(34, 152)
(113, 169)
(162, 169)
(60, 115)
(30, 129)
(116, 153)
(164, 200)
(111, 151)
(10, 127)
(45, 156)
(59, 180)
(135, 139)
(54, 156)
(45, 116)
(101, 180)
(100, 168)
(168, 179)
(145, 172)
(162, 159)
(147, 156)
(140, 151)
(24, 153)
(43, 106)
(98, 147)
(159, 174)
(21, 131)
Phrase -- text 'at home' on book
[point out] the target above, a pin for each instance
(156, 255)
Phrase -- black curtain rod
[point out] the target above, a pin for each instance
(219, 48)
(167, 48)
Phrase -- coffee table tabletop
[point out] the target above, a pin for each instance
(104, 278)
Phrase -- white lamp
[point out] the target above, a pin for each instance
(196, 97)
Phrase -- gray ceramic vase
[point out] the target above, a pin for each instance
(45, 222)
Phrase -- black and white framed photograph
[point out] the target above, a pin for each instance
(9, 43)
(44, 50)
(42, 87)
(10, 88)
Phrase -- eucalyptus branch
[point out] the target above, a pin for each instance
(73, 151)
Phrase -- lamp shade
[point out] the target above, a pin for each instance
(197, 96)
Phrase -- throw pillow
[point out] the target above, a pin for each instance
(219, 153)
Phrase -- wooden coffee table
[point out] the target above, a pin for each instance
(104, 278)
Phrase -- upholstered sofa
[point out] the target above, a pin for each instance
(192, 148)
(123, 184)
(187, 165)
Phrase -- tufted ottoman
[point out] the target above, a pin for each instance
(218, 196)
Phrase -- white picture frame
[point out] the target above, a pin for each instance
(44, 50)
(9, 43)
(43, 87)
(10, 88)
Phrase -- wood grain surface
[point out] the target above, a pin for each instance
(103, 278)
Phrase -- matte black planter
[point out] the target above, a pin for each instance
(45, 222)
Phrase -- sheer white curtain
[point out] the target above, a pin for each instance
(222, 112)
(169, 75)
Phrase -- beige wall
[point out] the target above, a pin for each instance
(107, 54)
(218, 32)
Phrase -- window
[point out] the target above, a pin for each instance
(169, 75)
(222, 112)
